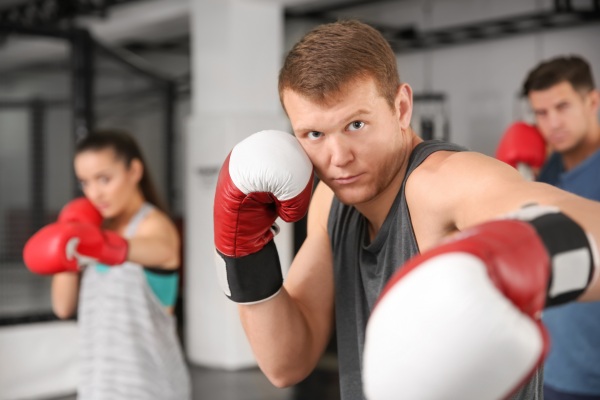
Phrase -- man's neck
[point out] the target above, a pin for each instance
(376, 210)
(581, 152)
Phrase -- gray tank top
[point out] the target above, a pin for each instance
(128, 343)
(362, 268)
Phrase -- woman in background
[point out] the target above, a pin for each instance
(126, 293)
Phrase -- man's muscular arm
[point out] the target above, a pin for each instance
(266, 176)
(289, 332)
(479, 189)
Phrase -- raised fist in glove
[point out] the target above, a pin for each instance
(265, 176)
(61, 247)
(523, 147)
(462, 320)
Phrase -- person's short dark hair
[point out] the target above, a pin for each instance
(572, 69)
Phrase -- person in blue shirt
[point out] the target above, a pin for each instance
(565, 101)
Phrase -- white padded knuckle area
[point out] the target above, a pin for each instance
(531, 212)
(221, 269)
(571, 270)
(445, 332)
(270, 161)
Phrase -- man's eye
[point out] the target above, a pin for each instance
(314, 134)
(356, 125)
(104, 179)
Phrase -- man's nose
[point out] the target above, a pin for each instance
(554, 120)
(341, 151)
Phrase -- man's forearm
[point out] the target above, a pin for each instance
(285, 345)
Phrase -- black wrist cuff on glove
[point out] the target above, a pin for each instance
(571, 256)
(255, 277)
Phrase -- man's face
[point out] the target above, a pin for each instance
(563, 115)
(355, 141)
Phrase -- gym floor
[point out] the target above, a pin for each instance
(25, 293)
(251, 384)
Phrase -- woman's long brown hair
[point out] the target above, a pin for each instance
(126, 149)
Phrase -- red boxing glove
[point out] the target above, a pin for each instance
(80, 210)
(267, 175)
(523, 147)
(61, 247)
(461, 321)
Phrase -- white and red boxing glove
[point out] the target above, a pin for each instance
(80, 210)
(523, 147)
(462, 321)
(62, 247)
(267, 175)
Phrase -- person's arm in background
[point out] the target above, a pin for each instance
(65, 285)
(65, 293)
(156, 243)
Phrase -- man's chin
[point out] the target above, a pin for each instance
(351, 199)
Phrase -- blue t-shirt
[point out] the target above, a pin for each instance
(573, 364)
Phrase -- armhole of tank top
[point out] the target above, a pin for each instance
(332, 216)
(138, 218)
(160, 280)
(419, 155)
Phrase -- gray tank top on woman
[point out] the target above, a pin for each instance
(128, 343)
(362, 268)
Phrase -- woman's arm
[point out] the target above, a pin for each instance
(156, 243)
(65, 293)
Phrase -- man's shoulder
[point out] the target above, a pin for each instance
(442, 162)
(425, 149)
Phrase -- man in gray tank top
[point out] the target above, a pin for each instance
(384, 196)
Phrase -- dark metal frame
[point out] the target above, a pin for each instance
(408, 38)
(37, 157)
(82, 90)
(51, 12)
(82, 82)
(37, 114)
(434, 97)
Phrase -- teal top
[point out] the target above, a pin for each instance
(164, 283)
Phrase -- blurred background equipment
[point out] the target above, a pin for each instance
(61, 87)
(430, 118)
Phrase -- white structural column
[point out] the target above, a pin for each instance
(237, 50)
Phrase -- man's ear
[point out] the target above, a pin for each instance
(594, 98)
(404, 104)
